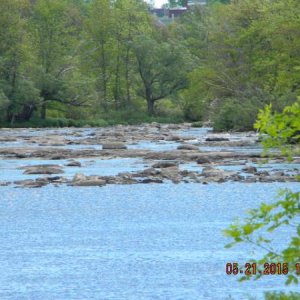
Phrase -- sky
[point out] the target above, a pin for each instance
(159, 3)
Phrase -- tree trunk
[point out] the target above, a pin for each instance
(117, 80)
(104, 77)
(150, 100)
(26, 113)
(128, 96)
(43, 111)
(150, 103)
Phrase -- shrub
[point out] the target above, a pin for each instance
(236, 115)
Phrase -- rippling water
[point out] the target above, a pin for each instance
(127, 241)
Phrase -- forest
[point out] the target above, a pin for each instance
(102, 62)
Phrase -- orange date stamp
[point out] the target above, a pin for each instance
(249, 269)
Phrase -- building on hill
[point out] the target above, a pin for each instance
(175, 12)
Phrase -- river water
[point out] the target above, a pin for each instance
(128, 241)
(142, 241)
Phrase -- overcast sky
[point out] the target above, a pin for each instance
(159, 3)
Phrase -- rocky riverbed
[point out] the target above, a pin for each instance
(157, 153)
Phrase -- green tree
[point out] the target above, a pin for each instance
(247, 52)
(111, 28)
(131, 18)
(162, 67)
(55, 29)
(18, 94)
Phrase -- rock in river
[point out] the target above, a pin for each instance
(82, 180)
(113, 145)
(187, 147)
(43, 169)
(216, 139)
(165, 164)
(250, 169)
(73, 163)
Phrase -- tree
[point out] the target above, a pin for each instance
(17, 92)
(281, 129)
(131, 19)
(110, 30)
(162, 68)
(247, 52)
(55, 28)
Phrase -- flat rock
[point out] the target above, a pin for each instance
(89, 182)
(43, 169)
(173, 138)
(113, 145)
(216, 139)
(31, 183)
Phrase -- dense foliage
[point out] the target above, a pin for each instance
(247, 57)
(88, 60)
